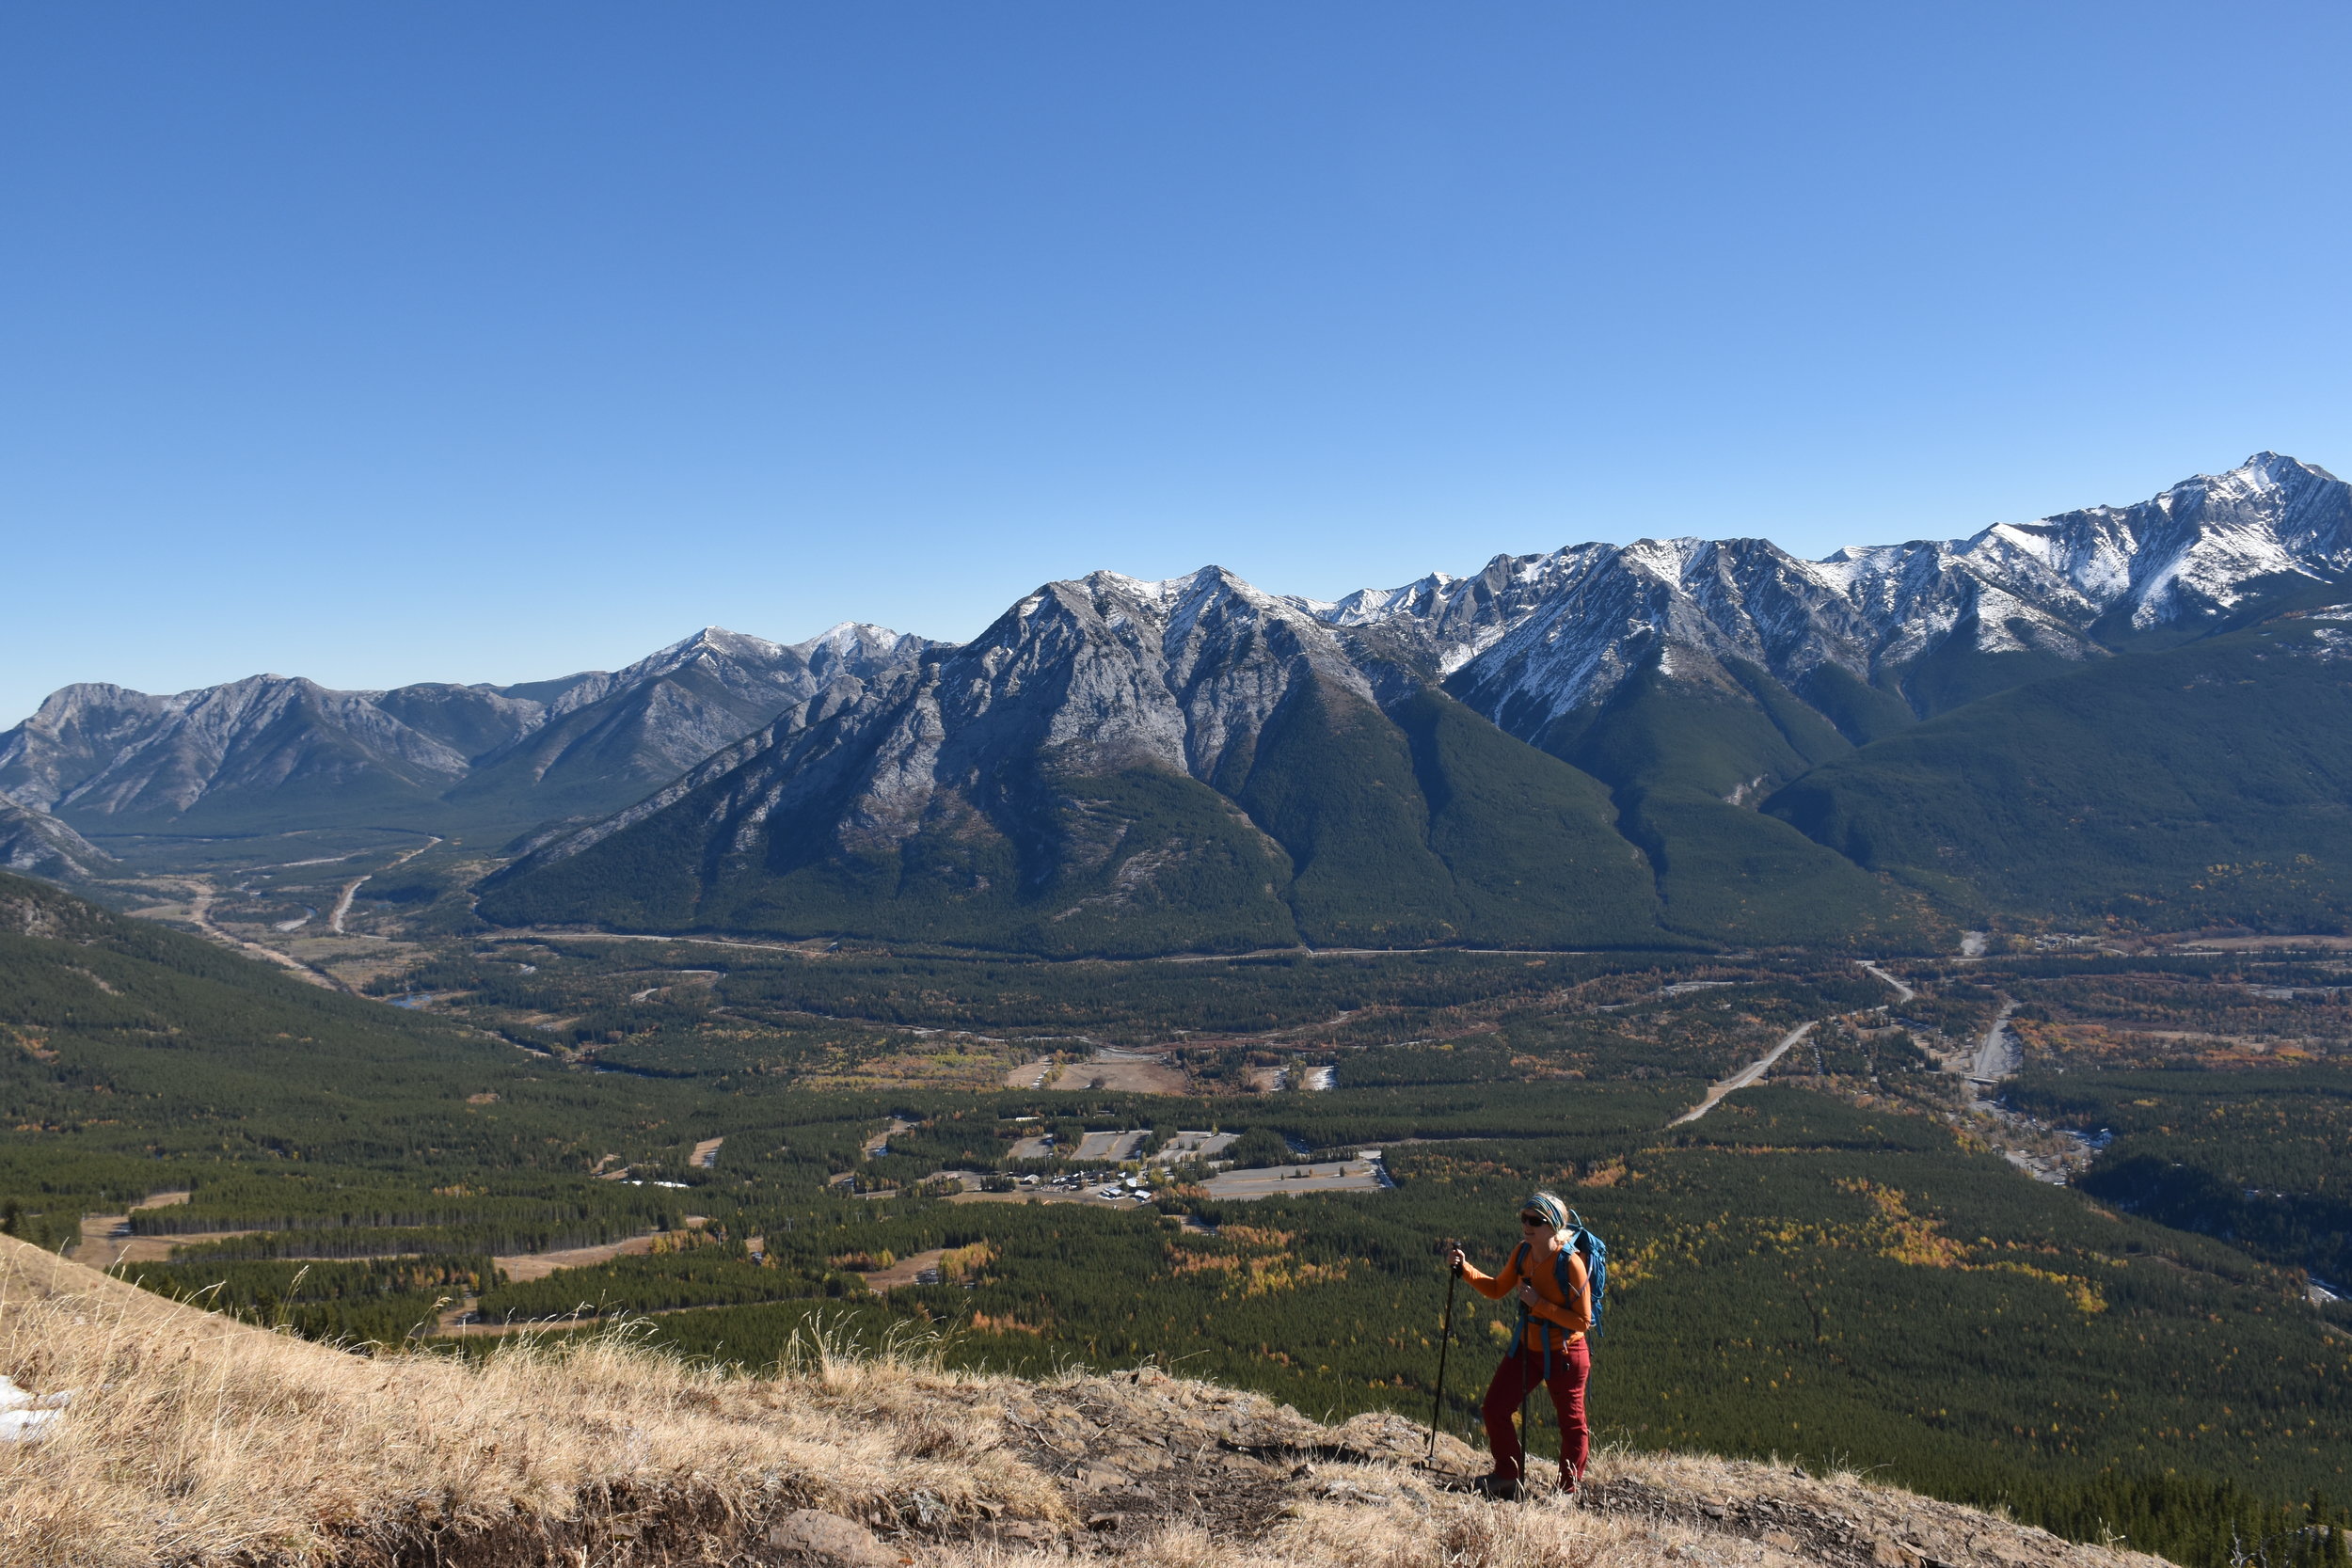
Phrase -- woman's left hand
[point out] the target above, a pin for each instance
(1527, 1294)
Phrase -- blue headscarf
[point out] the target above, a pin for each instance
(1549, 1207)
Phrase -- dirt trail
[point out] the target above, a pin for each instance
(107, 1238)
(906, 1270)
(1746, 1075)
(200, 911)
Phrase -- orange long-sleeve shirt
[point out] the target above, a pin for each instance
(1574, 1314)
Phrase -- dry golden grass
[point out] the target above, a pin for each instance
(196, 1442)
(192, 1439)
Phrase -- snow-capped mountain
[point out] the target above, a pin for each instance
(274, 746)
(1534, 638)
(1103, 673)
(1313, 758)
(1115, 761)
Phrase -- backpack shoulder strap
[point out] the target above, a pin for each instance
(1560, 1271)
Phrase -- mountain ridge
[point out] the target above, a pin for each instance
(1682, 682)
(113, 759)
(1140, 764)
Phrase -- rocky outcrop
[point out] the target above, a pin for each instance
(287, 752)
(1531, 638)
(38, 844)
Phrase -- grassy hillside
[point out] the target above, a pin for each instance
(2207, 784)
(307, 1456)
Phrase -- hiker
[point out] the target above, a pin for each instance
(1556, 1307)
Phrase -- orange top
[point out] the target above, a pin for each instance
(1575, 1315)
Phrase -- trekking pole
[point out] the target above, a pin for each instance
(1527, 1390)
(1445, 1343)
(1527, 1439)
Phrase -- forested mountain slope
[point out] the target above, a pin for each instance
(1118, 766)
(1122, 766)
(2205, 784)
(1565, 749)
(123, 1043)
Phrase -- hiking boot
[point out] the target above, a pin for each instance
(1502, 1489)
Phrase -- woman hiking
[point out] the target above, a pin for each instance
(1557, 1303)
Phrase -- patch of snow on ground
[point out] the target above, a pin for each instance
(25, 1417)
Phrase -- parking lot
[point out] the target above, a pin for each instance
(1362, 1174)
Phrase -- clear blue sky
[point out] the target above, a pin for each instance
(481, 341)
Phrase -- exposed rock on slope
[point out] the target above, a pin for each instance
(1532, 638)
(1117, 766)
(38, 844)
(278, 751)
(306, 1455)
(1125, 767)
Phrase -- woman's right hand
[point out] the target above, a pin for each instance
(1455, 1260)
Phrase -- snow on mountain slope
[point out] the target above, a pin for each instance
(1180, 673)
(1531, 638)
(1094, 676)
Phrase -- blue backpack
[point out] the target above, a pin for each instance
(1586, 1244)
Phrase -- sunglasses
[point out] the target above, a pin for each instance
(1535, 1219)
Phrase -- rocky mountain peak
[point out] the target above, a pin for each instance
(1532, 638)
(105, 754)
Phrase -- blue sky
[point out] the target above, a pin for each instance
(490, 341)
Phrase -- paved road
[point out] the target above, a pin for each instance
(342, 905)
(1902, 992)
(1746, 1075)
(1167, 958)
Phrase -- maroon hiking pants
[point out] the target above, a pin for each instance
(1571, 1364)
